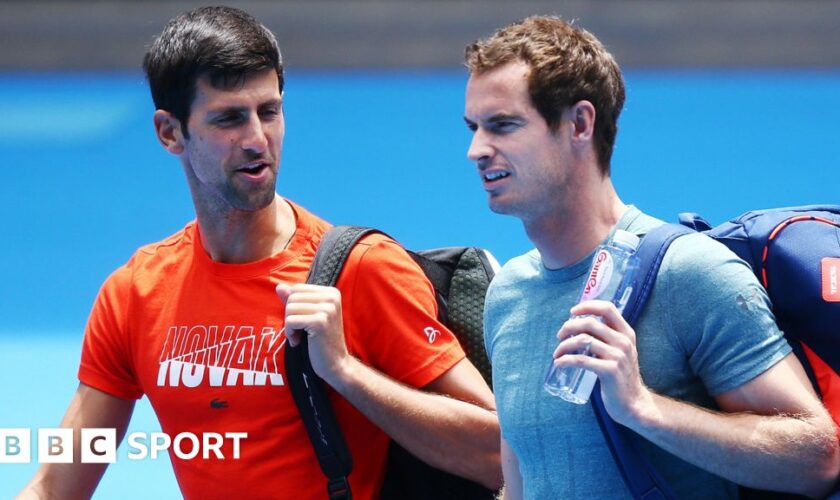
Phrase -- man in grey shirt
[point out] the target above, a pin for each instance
(706, 378)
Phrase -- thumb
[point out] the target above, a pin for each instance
(293, 336)
(283, 291)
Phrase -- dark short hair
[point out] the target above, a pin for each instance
(568, 64)
(224, 44)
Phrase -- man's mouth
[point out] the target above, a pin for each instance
(494, 175)
(253, 168)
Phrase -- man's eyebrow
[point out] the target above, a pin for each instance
(273, 102)
(226, 109)
(237, 109)
(498, 117)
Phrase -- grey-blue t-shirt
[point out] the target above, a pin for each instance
(707, 329)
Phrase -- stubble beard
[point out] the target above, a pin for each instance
(250, 200)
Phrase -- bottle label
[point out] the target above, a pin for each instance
(599, 276)
(831, 279)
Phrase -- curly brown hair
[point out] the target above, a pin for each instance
(568, 64)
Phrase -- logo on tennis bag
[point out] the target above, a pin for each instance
(795, 253)
(460, 277)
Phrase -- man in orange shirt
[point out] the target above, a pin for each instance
(198, 322)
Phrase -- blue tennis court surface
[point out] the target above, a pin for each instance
(85, 183)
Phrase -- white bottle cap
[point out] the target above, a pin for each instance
(626, 238)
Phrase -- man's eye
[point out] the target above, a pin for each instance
(227, 119)
(504, 127)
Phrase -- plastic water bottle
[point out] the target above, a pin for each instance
(610, 278)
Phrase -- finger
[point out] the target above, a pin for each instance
(307, 288)
(593, 326)
(601, 308)
(593, 364)
(314, 322)
(588, 345)
(608, 313)
(319, 297)
(283, 291)
(573, 345)
(293, 336)
(306, 324)
(577, 325)
(309, 309)
(609, 341)
(603, 350)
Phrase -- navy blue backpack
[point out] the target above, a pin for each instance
(795, 253)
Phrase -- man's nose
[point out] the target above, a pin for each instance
(480, 149)
(255, 138)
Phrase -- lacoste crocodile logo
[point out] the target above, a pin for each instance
(218, 403)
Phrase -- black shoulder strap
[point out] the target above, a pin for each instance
(638, 473)
(307, 388)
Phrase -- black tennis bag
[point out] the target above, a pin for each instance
(460, 276)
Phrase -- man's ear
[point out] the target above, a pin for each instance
(582, 116)
(168, 130)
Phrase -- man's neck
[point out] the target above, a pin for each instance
(565, 235)
(238, 237)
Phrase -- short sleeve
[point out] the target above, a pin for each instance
(106, 362)
(720, 314)
(390, 314)
(491, 315)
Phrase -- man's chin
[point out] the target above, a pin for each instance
(497, 206)
(508, 209)
(257, 201)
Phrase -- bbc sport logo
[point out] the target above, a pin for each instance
(55, 445)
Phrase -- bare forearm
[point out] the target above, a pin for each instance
(89, 408)
(513, 479)
(775, 434)
(794, 453)
(460, 437)
(59, 481)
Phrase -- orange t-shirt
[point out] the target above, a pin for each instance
(205, 342)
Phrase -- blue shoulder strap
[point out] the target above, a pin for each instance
(643, 481)
(650, 253)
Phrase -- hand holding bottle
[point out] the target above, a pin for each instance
(610, 278)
